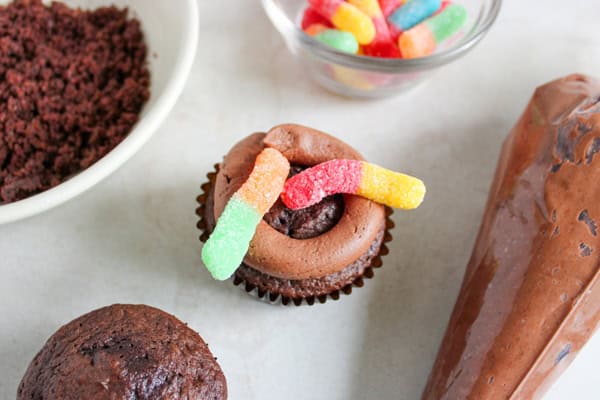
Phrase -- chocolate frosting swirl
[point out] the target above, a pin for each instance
(281, 256)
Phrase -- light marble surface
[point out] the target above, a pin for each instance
(133, 238)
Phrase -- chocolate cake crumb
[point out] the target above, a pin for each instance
(72, 85)
(307, 222)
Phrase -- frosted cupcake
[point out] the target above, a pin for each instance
(309, 254)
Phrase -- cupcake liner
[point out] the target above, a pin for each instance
(202, 224)
(277, 298)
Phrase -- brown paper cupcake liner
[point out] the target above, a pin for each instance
(277, 298)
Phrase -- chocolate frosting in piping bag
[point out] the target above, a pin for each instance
(530, 298)
(281, 256)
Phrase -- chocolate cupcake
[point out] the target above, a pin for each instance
(304, 255)
(124, 352)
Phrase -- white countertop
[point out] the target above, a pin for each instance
(133, 238)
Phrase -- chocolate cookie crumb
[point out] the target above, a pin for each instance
(72, 85)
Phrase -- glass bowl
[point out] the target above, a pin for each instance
(370, 77)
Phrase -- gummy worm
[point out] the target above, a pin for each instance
(353, 177)
(228, 244)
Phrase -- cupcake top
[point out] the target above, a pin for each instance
(124, 352)
(313, 255)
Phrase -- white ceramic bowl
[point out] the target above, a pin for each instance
(171, 31)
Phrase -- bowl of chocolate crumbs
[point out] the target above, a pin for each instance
(83, 85)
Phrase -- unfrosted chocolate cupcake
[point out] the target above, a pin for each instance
(300, 255)
(124, 352)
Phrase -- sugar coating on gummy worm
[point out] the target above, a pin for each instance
(353, 177)
(383, 28)
(227, 245)
(389, 6)
(382, 45)
(346, 17)
(312, 17)
(422, 40)
(412, 13)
